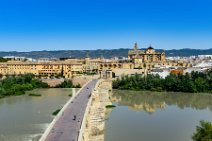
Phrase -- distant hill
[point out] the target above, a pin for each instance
(101, 52)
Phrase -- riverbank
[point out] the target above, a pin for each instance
(194, 82)
(18, 85)
(162, 92)
(94, 122)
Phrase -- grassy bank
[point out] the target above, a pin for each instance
(34, 94)
(18, 85)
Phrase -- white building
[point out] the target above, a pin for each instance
(161, 72)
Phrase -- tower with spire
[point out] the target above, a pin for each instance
(135, 46)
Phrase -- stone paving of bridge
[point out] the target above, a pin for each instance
(67, 128)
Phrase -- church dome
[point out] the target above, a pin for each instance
(150, 47)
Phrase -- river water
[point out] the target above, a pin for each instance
(151, 116)
(25, 118)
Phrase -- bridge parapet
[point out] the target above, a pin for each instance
(57, 117)
(93, 124)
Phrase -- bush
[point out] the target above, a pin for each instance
(77, 86)
(110, 106)
(56, 112)
(203, 132)
(67, 84)
(34, 94)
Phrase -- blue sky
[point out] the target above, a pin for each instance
(27, 25)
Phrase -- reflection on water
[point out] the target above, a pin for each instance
(25, 118)
(151, 101)
(151, 116)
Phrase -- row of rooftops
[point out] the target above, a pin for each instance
(39, 63)
(142, 52)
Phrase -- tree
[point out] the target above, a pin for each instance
(200, 84)
(144, 65)
(1, 75)
(203, 132)
(62, 72)
(17, 85)
(194, 82)
(4, 60)
(65, 84)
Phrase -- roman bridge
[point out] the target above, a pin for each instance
(67, 124)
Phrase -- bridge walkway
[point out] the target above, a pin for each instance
(67, 127)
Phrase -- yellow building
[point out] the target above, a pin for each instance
(41, 69)
(146, 56)
(139, 61)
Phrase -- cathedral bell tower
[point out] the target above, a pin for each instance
(135, 46)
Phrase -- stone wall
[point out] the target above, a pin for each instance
(94, 122)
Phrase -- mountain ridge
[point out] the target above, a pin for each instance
(107, 53)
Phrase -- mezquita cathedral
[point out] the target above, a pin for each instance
(146, 56)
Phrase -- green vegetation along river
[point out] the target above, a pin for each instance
(25, 118)
(153, 116)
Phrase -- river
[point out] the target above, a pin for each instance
(152, 116)
(25, 118)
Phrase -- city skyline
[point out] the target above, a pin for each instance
(79, 25)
